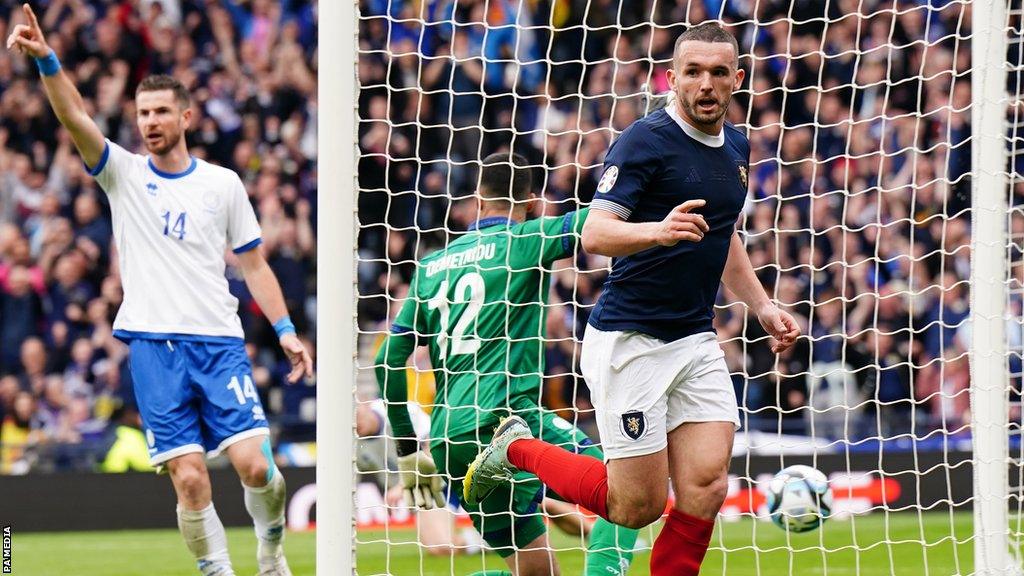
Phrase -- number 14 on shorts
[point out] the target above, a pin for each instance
(243, 391)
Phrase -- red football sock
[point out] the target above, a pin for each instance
(681, 546)
(578, 478)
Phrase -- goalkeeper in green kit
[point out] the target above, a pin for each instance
(479, 304)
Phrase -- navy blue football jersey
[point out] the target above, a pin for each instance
(655, 165)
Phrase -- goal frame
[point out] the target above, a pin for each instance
(336, 327)
(337, 225)
(989, 271)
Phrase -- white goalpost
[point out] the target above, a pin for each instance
(895, 241)
(989, 275)
(336, 329)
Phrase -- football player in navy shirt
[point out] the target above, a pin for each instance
(666, 210)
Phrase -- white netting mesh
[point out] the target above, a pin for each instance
(1015, 253)
(858, 114)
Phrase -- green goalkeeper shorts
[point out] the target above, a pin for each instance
(510, 517)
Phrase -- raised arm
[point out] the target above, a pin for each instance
(63, 95)
(740, 278)
(606, 233)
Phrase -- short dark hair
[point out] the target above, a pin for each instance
(159, 82)
(706, 32)
(505, 176)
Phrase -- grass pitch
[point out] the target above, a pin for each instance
(933, 544)
(142, 553)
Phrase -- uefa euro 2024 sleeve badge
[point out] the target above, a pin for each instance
(634, 425)
(611, 174)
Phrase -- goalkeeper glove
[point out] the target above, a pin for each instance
(650, 102)
(420, 481)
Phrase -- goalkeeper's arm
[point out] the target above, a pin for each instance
(416, 470)
(65, 99)
(390, 364)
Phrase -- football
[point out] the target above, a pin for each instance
(799, 498)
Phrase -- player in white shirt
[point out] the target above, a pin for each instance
(174, 216)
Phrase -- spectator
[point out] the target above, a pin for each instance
(21, 313)
(129, 450)
(90, 223)
(20, 431)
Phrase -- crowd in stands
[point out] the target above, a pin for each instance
(858, 118)
(65, 385)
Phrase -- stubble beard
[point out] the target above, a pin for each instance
(171, 142)
(701, 118)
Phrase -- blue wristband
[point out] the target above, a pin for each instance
(284, 326)
(48, 65)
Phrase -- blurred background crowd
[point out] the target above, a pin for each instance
(65, 387)
(857, 114)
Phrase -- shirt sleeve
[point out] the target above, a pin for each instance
(112, 165)
(409, 321)
(541, 241)
(243, 228)
(390, 372)
(628, 167)
(560, 235)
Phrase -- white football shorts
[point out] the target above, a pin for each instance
(642, 388)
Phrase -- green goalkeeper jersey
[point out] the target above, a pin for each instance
(480, 306)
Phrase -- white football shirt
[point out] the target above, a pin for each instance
(171, 231)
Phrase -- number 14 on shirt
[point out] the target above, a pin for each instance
(178, 228)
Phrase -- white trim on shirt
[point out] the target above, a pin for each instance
(613, 207)
(702, 137)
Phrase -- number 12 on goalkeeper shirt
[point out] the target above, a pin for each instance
(469, 290)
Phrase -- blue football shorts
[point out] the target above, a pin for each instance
(194, 396)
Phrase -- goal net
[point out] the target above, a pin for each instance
(858, 222)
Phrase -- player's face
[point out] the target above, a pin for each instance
(161, 120)
(704, 78)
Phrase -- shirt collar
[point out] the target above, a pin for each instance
(172, 175)
(702, 137)
(492, 221)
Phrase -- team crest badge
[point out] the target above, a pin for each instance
(211, 202)
(634, 425)
(743, 175)
(608, 179)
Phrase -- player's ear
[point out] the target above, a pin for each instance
(186, 117)
(740, 75)
(531, 204)
(670, 75)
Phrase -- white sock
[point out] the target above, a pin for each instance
(205, 538)
(266, 506)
